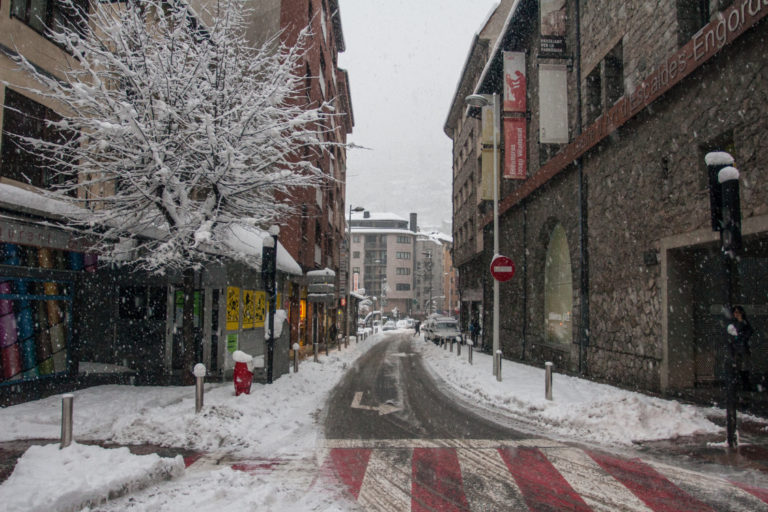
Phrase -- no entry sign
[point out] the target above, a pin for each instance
(502, 268)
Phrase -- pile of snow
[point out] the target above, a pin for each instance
(48, 478)
(580, 410)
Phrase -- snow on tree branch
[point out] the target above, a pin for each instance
(177, 130)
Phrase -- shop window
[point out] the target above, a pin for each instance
(142, 302)
(691, 16)
(35, 327)
(403, 287)
(558, 289)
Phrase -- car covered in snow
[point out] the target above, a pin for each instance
(444, 330)
(389, 326)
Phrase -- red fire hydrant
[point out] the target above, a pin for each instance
(243, 374)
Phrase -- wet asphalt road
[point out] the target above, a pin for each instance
(391, 373)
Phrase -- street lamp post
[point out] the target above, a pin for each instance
(268, 276)
(349, 271)
(478, 100)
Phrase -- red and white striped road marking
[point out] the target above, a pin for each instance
(537, 475)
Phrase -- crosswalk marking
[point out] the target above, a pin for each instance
(540, 475)
(711, 487)
(386, 486)
(487, 481)
(599, 490)
(543, 487)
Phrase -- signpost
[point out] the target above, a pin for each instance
(502, 268)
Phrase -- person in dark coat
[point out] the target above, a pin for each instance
(740, 331)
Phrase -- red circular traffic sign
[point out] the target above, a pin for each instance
(502, 268)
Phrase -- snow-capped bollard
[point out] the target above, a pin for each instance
(469, 348)
(66, 420)
(497, 360)
(548, 380)
(295, 358)
(243, 375)
(199, 372)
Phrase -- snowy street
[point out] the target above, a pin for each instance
(373, 446)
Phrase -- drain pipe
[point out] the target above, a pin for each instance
(583, 214)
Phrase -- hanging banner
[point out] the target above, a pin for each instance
(233, 308)
(514, 148)
(514, 82)
(553, 104)
(553, 17)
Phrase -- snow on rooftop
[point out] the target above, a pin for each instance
(324, 272)
(249, 241)
(377, 216)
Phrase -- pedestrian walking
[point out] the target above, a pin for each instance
(416, 328)
(332, 333)
(740, 330)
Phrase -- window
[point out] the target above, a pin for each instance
(356, 239)
(594, 95)
(355, 270)
(403, 239)
(27, 118)
(558, 289)
(356, 254)
(403, 271)
(614, 75)
(605, 84)
(402, 287)
(403, 255)
(691, 16)
(44, 14)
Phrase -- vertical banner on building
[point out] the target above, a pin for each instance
(514, 144)
(356, 281)
(514, 82)
(553, 104)
(552, 27)
(233, 308)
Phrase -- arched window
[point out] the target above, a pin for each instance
(558, 289)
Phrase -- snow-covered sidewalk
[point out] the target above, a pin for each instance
(273, 422)
(581, 410)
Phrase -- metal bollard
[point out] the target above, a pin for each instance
(548, 380)
(314, 351)
(295, 358)
(66, 420)
(469, 354)
(458, 348)
(199, 372)
(451, 345)
(498, 365)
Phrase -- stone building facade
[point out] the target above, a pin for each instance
(619, 275)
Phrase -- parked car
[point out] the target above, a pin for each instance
(389, 326)
(445, 330)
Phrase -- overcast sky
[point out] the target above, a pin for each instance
(404, 58)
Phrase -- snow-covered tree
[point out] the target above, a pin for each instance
(176, 128)
(175, 131)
